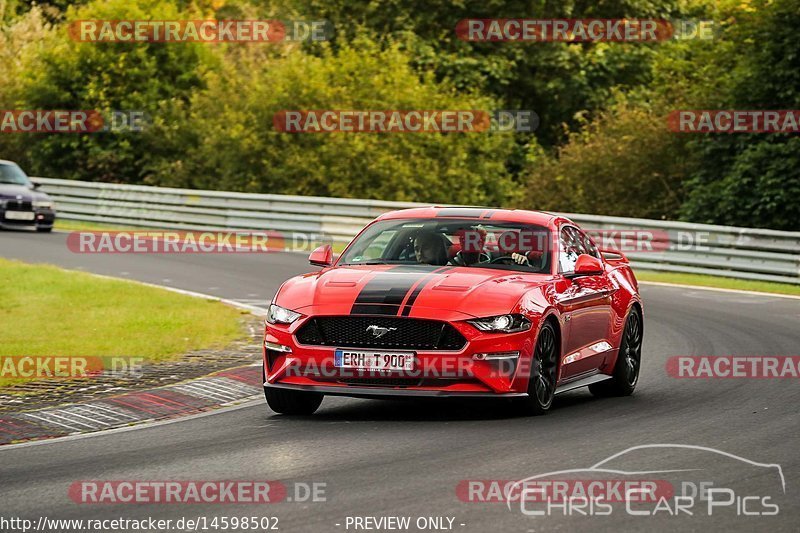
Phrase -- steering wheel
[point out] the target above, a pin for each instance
(482, 258)
(504, 259)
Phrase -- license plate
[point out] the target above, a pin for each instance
(363, 360)
(19, 215)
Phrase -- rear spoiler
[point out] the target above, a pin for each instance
(614, 257)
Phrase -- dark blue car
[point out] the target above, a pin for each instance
(21, 204)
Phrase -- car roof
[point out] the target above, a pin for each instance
(4, 162)
(480, 214)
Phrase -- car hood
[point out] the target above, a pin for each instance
(8, 190)
(408, 290)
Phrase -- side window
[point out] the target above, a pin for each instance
(378, 246)
(569, 249)
(374, 248)
(587, 246)
(574, 242)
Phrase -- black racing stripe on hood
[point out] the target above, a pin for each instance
(419, 288)
(386, 291)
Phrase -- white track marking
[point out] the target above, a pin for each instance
(215, 388)
(48, 417)
(72, 413)
(114, 410)
(252, 401)
(192, 390)
(717, 289)
(49, 422)
(87, 408)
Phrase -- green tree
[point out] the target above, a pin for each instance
(60, 73)
(752, 179)
(624, 163)
(560, 81)
(236, 147)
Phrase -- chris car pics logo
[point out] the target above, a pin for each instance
(679, 480)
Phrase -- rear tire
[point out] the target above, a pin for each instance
(629, 361)
(292, 402)
(544, 372)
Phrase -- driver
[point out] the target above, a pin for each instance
(529, 259)
(529, 249)
(429, 249)
(521, 259)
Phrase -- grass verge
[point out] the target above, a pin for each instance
(718, 282)
(47, 311)
(80, 225)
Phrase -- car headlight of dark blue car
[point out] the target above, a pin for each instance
(43, 204)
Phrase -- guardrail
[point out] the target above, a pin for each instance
(745, 253)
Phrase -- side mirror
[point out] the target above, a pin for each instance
(587, 265)
(35, 185)
(322, 256)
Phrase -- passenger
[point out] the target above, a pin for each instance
(429, 249)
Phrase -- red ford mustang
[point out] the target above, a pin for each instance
(456, 302)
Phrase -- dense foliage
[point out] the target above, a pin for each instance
(602, 146)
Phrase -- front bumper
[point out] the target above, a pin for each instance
(42, 218)
(382, 392)
(437, 373)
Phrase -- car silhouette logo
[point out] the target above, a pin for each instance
(379, 331)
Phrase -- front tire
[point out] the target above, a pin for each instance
(544, 374)
(629, 361)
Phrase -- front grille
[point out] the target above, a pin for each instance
(18, 205)
(409, 333)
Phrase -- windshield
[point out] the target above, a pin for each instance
(10, 173)
(454, 242)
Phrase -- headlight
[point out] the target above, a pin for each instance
(279, 315)
(43, 204)
(502, 324)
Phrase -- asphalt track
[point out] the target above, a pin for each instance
(397, 458)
